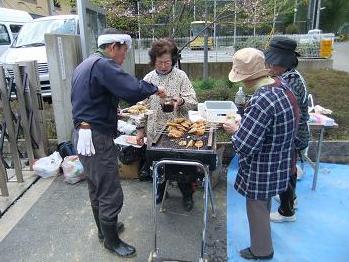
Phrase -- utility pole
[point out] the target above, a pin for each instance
(152, 18)
(318, 14)
(139, 27)
(173, 18)
(309, 23)
(205, 66)
(50, 7)
(274, 18)
(214, 25)
(194, 10)
(234, 24)
(314, 14)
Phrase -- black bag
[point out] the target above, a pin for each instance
(130, 154)
(66, 149)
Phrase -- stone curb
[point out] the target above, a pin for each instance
(332, 151)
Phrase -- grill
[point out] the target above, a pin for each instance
(163, 147)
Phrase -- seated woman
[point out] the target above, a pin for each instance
(163, 56)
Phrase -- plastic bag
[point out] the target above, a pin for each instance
(72, 170)
(125, 127)
(48, 166)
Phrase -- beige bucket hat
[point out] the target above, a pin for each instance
(248, 64)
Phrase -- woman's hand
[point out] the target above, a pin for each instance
(178, 101)
(161, 91)
(140, 136)
(231, 127)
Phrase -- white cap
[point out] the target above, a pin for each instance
(112, 38)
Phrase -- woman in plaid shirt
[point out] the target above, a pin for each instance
(264, 142)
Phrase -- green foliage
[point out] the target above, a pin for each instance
(215, 89)
(292, 29)
(335, 14)
(330, 89)
(256, 42)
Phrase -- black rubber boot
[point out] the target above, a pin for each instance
(112, 242)
(120, 227)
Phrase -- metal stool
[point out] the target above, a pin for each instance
(208, 194)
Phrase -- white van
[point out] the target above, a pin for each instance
(11, 21)
(30, 44)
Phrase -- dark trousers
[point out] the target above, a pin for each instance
(258, 214)
(287, 198)
(184, 175)
(102, 176)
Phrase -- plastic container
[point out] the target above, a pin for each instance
(216, 111)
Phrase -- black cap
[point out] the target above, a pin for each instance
(282, 52)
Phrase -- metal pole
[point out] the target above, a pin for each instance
(194, 10)
(139, 27)
(81, 4)
(314, 13)
(295, 12)
(318, 13)
(318, 154)
(152, 18)
(234, 23)
(205, 66)
(254, 19)
(274, 18)
(309, 24)
(214, 24)
(50, 7)
(173, 18)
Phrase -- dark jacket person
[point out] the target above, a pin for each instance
(98, 84)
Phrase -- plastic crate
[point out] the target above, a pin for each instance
(216, 111)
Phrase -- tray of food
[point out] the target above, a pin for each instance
(138, 109)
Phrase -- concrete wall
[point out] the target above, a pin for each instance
(63, 55)
(221, 69)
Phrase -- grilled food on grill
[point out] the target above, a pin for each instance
(178, 126)
(190, 143)
(199, 144)
(178, 120)
(174, 133)
(182, 143)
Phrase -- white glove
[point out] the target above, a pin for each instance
(85, 145)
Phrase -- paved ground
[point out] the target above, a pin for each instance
(60, 227)
(320, 232)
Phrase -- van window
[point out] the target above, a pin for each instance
(15, 29)
(32, 33)
(4, 36)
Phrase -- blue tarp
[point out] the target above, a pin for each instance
(321, 231)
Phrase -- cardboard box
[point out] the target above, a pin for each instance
(129, 171)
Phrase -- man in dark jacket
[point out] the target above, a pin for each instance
(282, 60)
(97, 85)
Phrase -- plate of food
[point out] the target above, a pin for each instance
(135, 110)
(126, 140)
